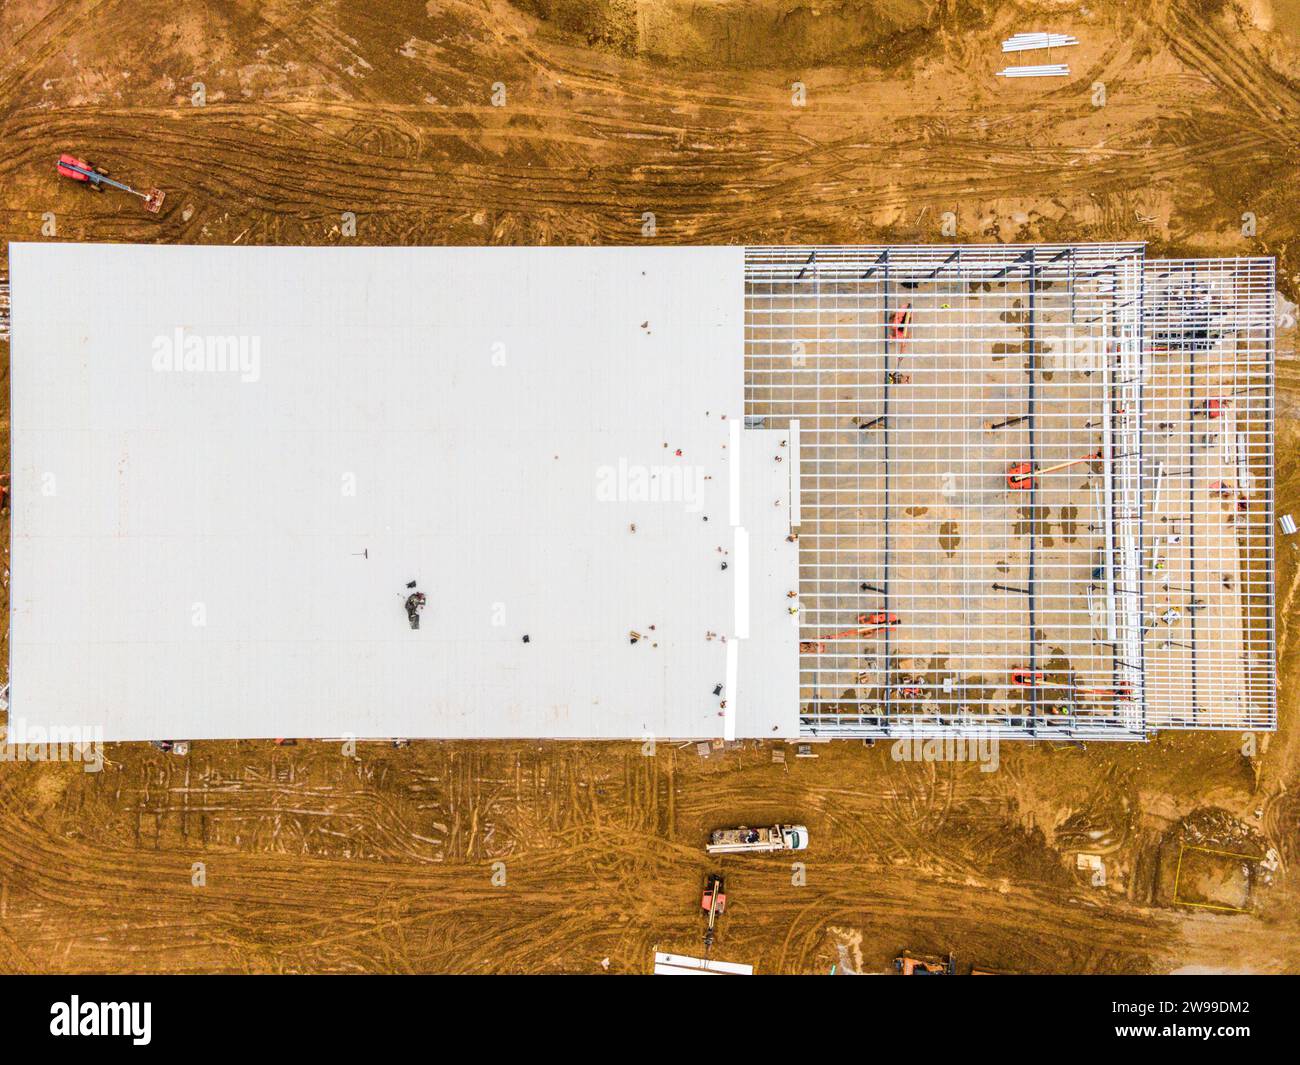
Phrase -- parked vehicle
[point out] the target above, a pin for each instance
(744, 840)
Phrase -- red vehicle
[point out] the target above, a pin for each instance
(901, 323)
(713, 903)
(1023, 475)
(69, 166)
(880, 618)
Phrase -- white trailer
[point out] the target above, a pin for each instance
(744, 840)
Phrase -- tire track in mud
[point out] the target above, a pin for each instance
(710, 156)
(42, 41)
(1241, 73)
(595, 894)
(604, 860)
(392, 871)
(607, 880)
(274, 165)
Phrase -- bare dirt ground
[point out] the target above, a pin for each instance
(612, 108)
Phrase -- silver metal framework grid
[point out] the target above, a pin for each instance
(1210, 644)
(938, 599)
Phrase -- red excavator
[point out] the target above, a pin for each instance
(96, 177)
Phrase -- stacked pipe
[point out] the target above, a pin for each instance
(1047, 70)
(1027, 42)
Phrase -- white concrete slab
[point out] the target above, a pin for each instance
(768, 658)
(684, 965)
(207, 553)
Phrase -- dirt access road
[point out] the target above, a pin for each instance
(320, 860)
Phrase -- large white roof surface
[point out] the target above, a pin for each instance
(200, 552)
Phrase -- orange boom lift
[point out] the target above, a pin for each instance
(1023, 678)
(1022, 475)
(872, 625)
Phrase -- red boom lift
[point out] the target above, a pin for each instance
(96, 177)
(1022, 475)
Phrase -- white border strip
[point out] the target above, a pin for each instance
(794, 474)
(741, 560)
(733, 446)
(732, 690)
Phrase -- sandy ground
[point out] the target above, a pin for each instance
(316, 860)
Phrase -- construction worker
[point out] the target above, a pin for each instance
(414, 604)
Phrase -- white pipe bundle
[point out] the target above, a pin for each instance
(1050, 70)
(1025, 42)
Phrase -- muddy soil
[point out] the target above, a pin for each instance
(568, 122)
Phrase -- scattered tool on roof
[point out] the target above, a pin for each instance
(1023, 474)
(96, 177)
(714, 903)
(414, 604)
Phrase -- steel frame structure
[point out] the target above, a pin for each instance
(1051, 607)
(1209, 352)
